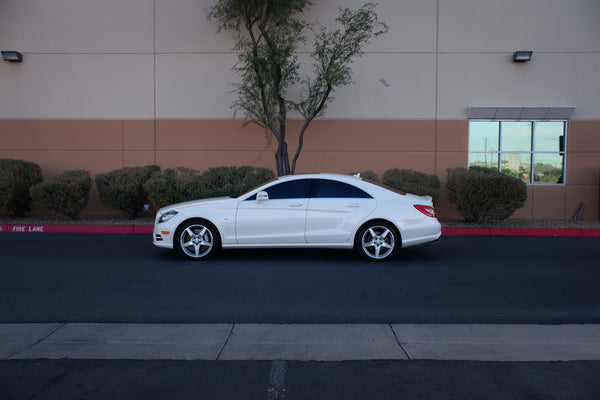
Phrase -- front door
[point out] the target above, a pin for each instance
(281, 219)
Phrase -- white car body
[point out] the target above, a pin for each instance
(319, 222)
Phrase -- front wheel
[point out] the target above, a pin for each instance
(197, 240)
(377, 241)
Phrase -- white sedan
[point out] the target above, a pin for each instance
(312, 210)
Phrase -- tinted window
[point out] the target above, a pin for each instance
(297, 189)
(325, 188)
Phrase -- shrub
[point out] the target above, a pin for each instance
(183, 184)
(414, 182)
(174, 186)
(367, 175)
(67, 193)
(123, 188)
(233, 181)
(16, 177)
(483, 194)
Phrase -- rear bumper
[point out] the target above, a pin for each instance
(426, 231)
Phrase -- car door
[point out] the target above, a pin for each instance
(334, 210)
(281, 219)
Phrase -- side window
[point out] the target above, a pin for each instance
(297, 189)
(325, 188)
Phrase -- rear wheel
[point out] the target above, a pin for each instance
(197, 240)
(377, 241)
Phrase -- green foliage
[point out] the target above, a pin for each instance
(233, 181)
(123, 189)
(67, 193)
(16, 178)
(174, 185)
(268, 33)
(483, 194)
(183, 184)
(367, 175)
(414, 182)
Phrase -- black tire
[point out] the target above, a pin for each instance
(377, 241)
(197, 240)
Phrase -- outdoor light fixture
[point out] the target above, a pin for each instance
(522, 56)
(13, 56)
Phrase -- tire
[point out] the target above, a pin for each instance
(377, 241)
(197, 240)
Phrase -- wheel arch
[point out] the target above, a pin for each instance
(201, 220)
(377, 220)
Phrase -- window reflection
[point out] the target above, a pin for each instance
(548, 168)
(549, 136)
(485, 136)
(486, 160)
(533, 151)
(517, 165)
(516, 136)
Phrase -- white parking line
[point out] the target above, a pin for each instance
(276, 389)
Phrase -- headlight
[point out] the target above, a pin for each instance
(167, 216)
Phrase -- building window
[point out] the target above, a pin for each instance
(533, 151)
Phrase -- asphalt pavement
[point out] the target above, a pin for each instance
(519, 314)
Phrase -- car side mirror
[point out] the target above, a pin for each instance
(262, 196)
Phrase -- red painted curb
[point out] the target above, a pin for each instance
(446, 231)
(143, 228)
(73, 229)
(591, 232)
(588, 232)
(466, 231)
(535, 231)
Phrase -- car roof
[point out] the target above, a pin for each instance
(364, 184)
(324, 175)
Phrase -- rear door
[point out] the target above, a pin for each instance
(334, 210)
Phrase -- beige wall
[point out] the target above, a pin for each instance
(330, 146)
(162, 59)
(114, 83)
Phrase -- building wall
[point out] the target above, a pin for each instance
(132, 82)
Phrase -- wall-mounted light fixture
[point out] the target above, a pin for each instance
(522, 56)
(13, 56)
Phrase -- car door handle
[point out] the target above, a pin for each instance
(354, 205)
(296, 205)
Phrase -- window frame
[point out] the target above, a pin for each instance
(308, 193)
(562, 151)
(317, 182)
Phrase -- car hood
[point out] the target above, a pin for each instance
(197, 203)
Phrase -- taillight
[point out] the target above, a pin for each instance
(427, 210)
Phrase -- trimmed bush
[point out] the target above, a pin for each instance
(233, 181)
(174, 186)
(367, 175)
(483, 194)
(123, 188)
(67, 193)
(16, 178)
(414, 182)
(183, 184)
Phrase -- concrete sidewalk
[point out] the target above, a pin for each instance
(320, 342)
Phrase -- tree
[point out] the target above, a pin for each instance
(268, 33)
